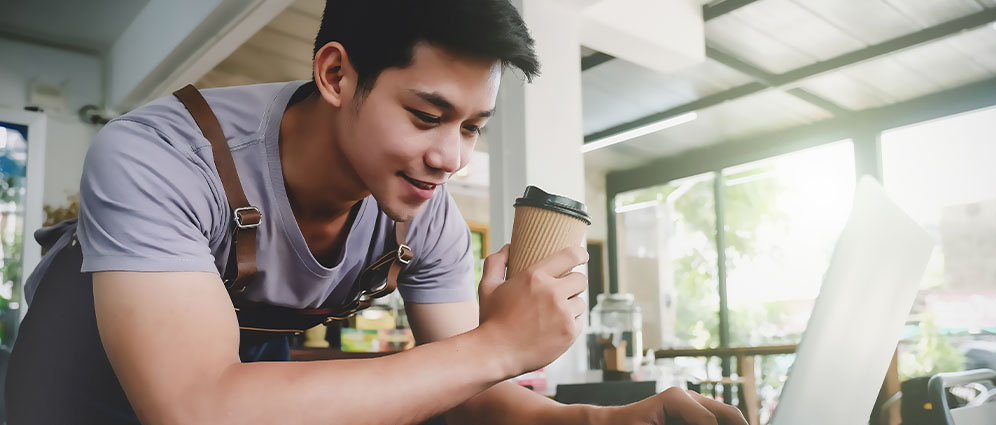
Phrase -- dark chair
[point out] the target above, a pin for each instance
(4, 360)
(979, 411)
(611, 393)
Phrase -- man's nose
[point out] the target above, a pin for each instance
(445, 154)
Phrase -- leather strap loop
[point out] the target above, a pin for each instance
(404, 256)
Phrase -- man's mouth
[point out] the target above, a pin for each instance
(419, 183)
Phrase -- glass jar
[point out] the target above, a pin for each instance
(616, 317)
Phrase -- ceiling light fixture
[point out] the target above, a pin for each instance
(639, 131)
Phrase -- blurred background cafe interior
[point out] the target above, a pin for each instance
(716, 143)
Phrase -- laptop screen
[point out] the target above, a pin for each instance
(866, 295)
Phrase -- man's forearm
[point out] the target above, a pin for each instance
(408, 387)
(508, 403)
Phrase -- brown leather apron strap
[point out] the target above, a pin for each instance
(265, 319)
(398, 259)
(246, 217)
(405, 255)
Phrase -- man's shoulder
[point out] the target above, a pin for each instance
(241, 111)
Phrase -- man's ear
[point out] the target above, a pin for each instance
(334, 74)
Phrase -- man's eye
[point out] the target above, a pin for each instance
(427, 118)
(473, 129)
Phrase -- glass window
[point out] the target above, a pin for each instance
(667, 258)
(942, 174)
(783, 216)
(668, 261)
(13, 163)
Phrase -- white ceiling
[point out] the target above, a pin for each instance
(635, 91)
(946, 64)
(778, 36)
(91, 25)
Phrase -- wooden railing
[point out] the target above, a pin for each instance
(749, 404)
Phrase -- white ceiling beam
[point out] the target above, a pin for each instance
(309, 7)
(174, 42)
(283, 46)
(663, 35)
(297, 24)
(252, 62)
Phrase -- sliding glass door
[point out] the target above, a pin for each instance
(22, 153)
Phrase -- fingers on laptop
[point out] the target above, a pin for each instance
(725, 413)
(694, 409)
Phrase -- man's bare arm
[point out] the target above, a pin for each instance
(172, 339)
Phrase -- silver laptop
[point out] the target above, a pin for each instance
(856, 322)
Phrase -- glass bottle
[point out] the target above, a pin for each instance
(616, 317)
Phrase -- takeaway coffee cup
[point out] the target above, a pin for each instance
(544, 223)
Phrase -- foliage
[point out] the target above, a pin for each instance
(747, 206)
(478, 248)
(697, 298)
(697, 309)
(11, 192)
(931, 352)
(54, 215)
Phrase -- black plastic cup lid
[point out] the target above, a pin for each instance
(536, 197)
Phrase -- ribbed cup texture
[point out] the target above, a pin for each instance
(537, 233)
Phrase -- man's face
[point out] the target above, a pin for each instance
(418, 125)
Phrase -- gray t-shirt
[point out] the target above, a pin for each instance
(151, 200)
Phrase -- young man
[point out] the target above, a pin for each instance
(401, 91)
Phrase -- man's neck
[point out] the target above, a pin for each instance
(321, 184)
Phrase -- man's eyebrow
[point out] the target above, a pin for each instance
(440, 101)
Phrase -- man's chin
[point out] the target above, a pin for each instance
(402, 212)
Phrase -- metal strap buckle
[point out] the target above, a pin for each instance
(368, 292)
(345, 313)
(405, 254)
(242, 225)
(230, 283)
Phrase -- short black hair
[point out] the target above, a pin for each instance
(381, 34)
